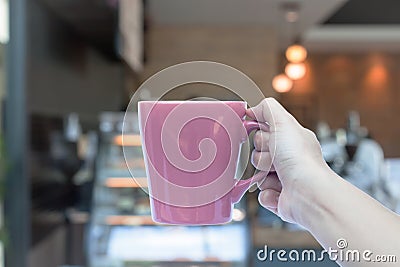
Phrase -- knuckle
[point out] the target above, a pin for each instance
(270, 100)
(310, 133)
(269, 103)
(266, 100)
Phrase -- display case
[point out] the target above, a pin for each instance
(121, 232)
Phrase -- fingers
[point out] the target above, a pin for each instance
(270, 182)
(269, 199)
(271, 111)
(271, 189)
(261, 141)
(261, 160)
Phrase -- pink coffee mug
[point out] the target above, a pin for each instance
(191, 151)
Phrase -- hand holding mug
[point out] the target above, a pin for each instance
(295, 154)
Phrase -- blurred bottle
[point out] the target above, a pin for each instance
(72, 128)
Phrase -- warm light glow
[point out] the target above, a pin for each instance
(295, 71)
(281, 83)
(296, 53)
(127, 140)
(129, 220)
(126, 182)
(238, 215)
(377, 77)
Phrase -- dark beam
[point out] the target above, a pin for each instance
(16, 208)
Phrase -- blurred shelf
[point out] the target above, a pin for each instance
(282, 238)
(125, 182)
(183, 263)
(129, 220)
(127, 140)
(121, 231)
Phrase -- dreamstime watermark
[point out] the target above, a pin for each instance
(339, 254)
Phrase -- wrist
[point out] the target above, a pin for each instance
(312, 195)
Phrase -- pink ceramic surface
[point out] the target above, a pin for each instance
(191, 151)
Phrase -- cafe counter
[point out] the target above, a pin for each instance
(121, 232)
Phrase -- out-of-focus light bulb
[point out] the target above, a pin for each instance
(296, 53)
(282, 84)
(292, 16)
(295, 71)
(238, 215)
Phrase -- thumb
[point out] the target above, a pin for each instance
(271, 111)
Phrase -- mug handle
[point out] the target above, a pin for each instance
(243, 185)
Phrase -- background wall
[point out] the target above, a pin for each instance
(64, 73)
(337, 83)
(334, 84)
(252, 50)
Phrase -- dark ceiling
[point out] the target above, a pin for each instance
(94, 20)
(367, 12)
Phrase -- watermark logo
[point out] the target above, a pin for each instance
(340, 253)
(341, 243)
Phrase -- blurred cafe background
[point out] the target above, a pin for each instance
(69, 67)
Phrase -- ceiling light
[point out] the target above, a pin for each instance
(295, 71)
(291, 11)
(282, 84)
(296, 53)
(292, 16)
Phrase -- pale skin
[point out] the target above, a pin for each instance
(302, 189)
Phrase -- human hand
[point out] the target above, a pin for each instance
(295, 156)
(302, 189)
